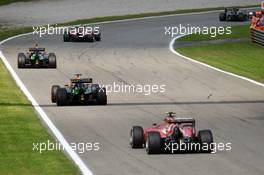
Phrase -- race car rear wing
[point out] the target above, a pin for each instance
(83, 80)
(34, 49)
(184, 120)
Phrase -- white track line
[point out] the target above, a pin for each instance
(75, 157)
(171, 47)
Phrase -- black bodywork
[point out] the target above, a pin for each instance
(233, 14)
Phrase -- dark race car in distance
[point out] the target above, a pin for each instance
(81, 91)
(173, 131)
(82, 33)
(36, 58)
(233, 14)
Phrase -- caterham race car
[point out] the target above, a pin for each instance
(80, 91)
(82, 33)
(233, 14)
(36, 58)
(174, 135)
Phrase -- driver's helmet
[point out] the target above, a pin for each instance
(258, 14)
(170, 117)
(78, 76)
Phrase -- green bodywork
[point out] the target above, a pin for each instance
(35, 57)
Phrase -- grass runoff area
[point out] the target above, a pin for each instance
(19, 129)
(243, 58)
(5, 2)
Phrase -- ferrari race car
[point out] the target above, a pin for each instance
(175, 135)
(81, 91)
(36, 58)
(233, 14)
(82, 33)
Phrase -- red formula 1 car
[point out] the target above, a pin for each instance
(174, 135)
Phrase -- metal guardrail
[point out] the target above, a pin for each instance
(257, 36)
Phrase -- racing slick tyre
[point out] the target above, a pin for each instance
(101, 97)
(153, 143)
(241, 17)
(90, 39)
(137, 137)
(52, 61)
(66, 37)
(97, 37)
(61, 97)
(222, 16)
(21, 60)
(229, 18)
(206, 139)
(54, 89)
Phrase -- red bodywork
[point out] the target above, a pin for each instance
(165, 130)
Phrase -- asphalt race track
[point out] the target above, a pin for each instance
(136, 52)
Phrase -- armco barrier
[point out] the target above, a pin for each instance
(257, 36)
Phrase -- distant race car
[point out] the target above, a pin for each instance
(36, 58)
(82, 33)
(233, 14)
(174, 131)
(81, 91)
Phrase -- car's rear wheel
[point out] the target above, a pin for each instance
(137, 137)
(66, 37)
(229, 18)
(206, 139)
(21, 60)
(241, 17)
(54, 90)
(101, 97)
(61, 97)
(222, 16)
(153, 143)
(52, 60)
(97, 37)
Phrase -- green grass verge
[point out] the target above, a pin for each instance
(237, 32)
(19, 128)
(9, 32)
(244, 58)
(5, 2)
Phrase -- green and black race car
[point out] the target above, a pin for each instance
(36, 58)
(81, 91)
(233, 14)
